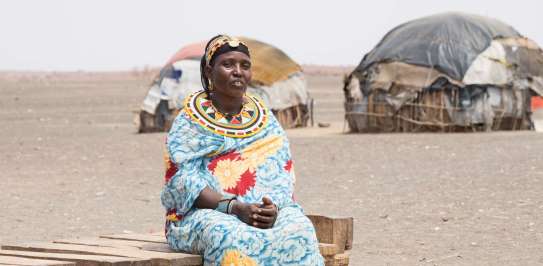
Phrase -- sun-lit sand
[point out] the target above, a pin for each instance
(72, 165)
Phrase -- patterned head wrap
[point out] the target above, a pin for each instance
(218, 45)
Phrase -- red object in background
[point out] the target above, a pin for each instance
(537, 102)
(193, 50)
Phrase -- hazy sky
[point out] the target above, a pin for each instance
(123, 34)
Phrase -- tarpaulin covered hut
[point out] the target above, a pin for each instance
(446, 72)
(276, 78)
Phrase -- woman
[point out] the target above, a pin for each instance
(230, 181)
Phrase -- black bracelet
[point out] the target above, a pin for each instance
(222, 206)
(231, 205)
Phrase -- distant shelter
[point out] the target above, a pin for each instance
(277, 79)
(447, 72)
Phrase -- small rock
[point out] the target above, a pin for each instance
(323, 124)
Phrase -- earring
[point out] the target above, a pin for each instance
(210, 85)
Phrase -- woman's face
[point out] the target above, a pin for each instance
(230, 74)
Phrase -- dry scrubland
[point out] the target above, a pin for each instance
(72, 165)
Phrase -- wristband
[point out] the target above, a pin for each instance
(224, 205)
(231, 205)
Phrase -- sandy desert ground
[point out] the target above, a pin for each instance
(71, 164)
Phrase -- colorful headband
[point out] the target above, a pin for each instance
(219, 42)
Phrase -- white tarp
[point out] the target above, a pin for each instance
(537, 117)
(188, 83)
(285, 93)
(490, 67)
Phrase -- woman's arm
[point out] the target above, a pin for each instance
(208, 199)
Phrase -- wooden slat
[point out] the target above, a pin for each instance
(337, 260)
(156, 258)
(334, 230)
(328, 249)
(88, 260)
(158, 247)
(102, 242)
(10, 260)
(138, 237)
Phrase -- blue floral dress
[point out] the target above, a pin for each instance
(245, 156)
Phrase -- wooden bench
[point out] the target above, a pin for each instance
(335, 237)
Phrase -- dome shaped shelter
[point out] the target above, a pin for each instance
(446, 72)
(277, 79)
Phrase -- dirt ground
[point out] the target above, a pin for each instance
(72, 165)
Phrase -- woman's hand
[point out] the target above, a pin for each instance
(267, 213)
(262, 216)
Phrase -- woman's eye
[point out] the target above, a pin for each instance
(246, 66)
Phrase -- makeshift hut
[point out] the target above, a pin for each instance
(277, 79)
(446, 72)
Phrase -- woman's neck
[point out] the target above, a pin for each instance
(225, 104)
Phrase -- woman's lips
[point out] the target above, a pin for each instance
(238, 83)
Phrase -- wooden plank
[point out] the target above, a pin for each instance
(158, 247)
(87, 260)
(328, 249)
(337, 260)
(334, 230)
(161, 247)
(10, 260)
(350, 233)
(157, 258)
(102, 242)
(137, 237)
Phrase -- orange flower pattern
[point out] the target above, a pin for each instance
(236, 258)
